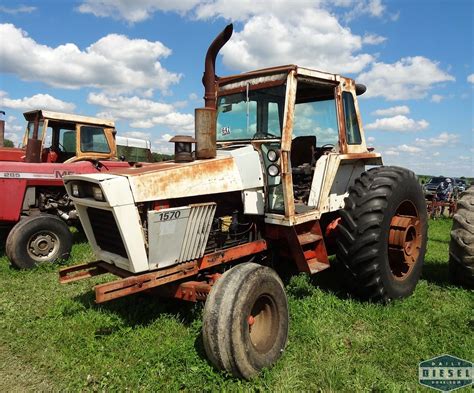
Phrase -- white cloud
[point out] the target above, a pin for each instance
(470, 78)
(465, 158)
(435, 154)
(408, 78)
(397, 123)
(181, 122)
(391, 152)
(373, 8)
(14, 131)
(392, 111)
(38, 101)
(443, 139)
(22, 9)
(115, 62)
(437, 98)
(163, 145)
(142, 113)
(140, 10)
(127, 108)
(136, 134)
(295, 38)
(373, 39)
(409, 149)
(133, 11)
(273, 32)
(370, 139)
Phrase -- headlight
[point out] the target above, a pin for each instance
(97, 193)
(75, 190)
(272, 155)
(273, 170)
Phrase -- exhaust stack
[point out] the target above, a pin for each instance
(205, 118)
(2, 128)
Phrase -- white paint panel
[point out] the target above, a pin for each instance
(254, 202)
(345, 177)
(317, 183)
(166, 236)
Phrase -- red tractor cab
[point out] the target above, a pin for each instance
(34, 207)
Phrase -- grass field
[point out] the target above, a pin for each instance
(55, 338)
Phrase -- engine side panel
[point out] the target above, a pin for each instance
(11, 199)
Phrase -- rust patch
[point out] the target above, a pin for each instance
(181, 180)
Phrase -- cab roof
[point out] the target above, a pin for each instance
(280, 70)
(67, 117)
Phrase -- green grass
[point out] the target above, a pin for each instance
(55, 338)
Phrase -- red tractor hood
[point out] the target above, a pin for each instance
(12, 154)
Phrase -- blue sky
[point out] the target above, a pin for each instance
(141, 62)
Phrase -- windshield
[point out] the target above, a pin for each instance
(252, 114)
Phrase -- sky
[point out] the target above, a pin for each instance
(141, 62)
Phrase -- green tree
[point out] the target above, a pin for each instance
(8, 143)
(157, 157)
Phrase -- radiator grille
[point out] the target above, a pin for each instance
(197, 231)
(106, 232)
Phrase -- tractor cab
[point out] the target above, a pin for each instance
(306, 126)
(63, 138)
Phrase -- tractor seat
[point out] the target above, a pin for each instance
(303, 149)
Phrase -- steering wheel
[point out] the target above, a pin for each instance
(327, 146)
(61, 147)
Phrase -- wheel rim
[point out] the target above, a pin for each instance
(43, 245)
(262, 322)
(404, 240)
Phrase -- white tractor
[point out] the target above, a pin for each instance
(278, 176)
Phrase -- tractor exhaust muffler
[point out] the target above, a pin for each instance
(205, 118)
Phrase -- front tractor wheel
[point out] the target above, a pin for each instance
(383, 233)
(40, 239)
(245, 325)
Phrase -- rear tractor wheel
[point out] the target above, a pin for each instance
(245, 325)
(40, 239)
(383, 233)
(461, 247)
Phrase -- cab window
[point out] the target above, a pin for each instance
(31, 127)
(352, 125)
(93, 139)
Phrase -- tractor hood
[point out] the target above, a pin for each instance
(12, 154)
(234, 169)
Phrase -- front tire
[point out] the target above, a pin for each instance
(245, 325)
(39, 239)
(461, 246)
(383, 234)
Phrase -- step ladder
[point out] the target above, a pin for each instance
(306, 247)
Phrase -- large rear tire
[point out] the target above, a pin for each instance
(245, 325)
(461, 247)
(383, 233)
(39, 239)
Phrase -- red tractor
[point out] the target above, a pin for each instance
(35, 209)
